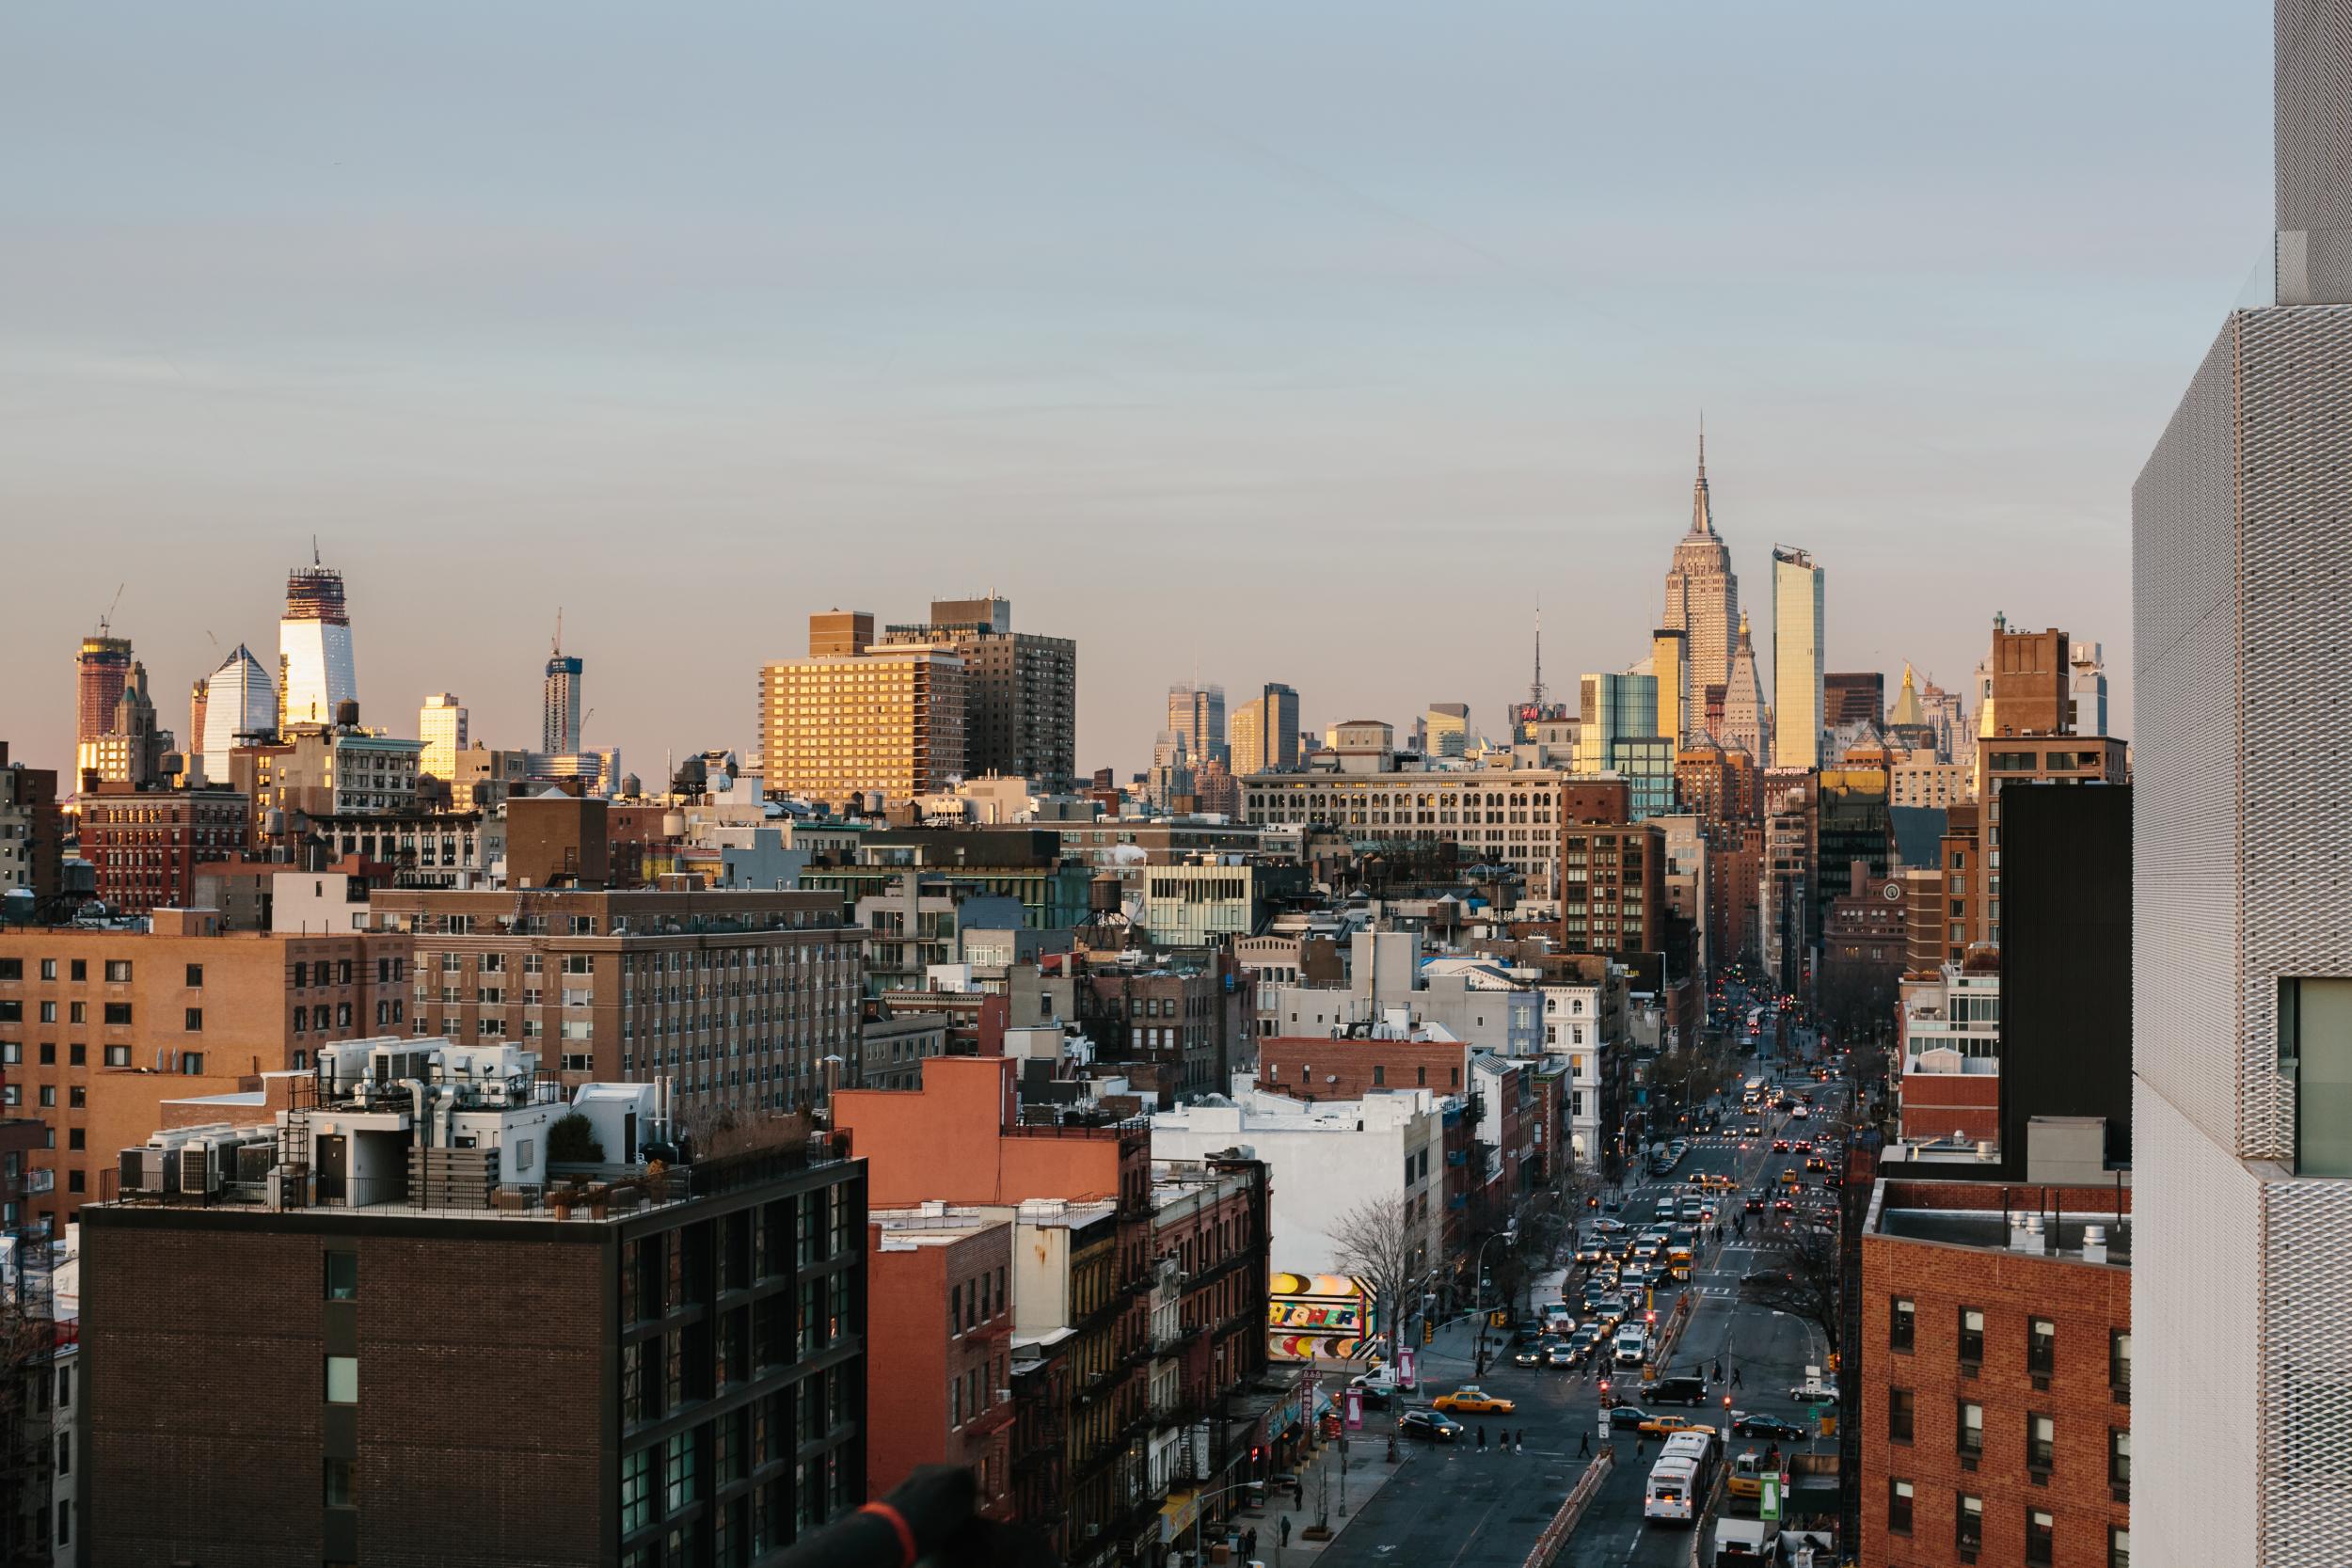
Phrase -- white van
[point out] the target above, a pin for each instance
(1672, 1494)
(1630, 1345)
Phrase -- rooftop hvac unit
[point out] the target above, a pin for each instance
(199, 1172)
(150, 1170)
(255, 1160)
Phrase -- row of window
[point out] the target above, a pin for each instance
(2041, 1434)
(2040, 1343)
(117, 971)
(1968, 1528)
(116, 1015)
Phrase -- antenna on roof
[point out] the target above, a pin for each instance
(558, 629)
(314, 551)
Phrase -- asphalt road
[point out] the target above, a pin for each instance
(1459, 1507)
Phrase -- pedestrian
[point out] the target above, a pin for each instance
(1719, 1368)
(1482, 1438)
(1282, 1532)
(1584, 1445)
(1519, 1442)
(1735, 1377)
(1249, 1545)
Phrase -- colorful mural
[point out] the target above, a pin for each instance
(1319, 1317)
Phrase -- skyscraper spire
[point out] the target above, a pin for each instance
(1535, 691)
(1702, 518)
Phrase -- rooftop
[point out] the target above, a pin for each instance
(2077, 1224)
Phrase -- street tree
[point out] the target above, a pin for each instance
(1379, 1243)
(1809, 1271)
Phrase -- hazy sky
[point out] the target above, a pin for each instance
(1308, 343)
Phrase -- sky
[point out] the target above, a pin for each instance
(1311, 342)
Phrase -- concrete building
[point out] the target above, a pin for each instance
(1325, 1161)
(1491, 815)
(1702, 594)
(1746, 723)
(1995, 1416)
(1445, 730)
(735, 998)
(316, 674)
(350, 1275)
(559, 704)
(888, 721)
(1949, 1055)
(1799, 700)
(2087, 689)
(1021, 690)
(1211, 900)
(1266, 732)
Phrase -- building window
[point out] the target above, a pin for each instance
(192, 1061)
(1970, 1337)
(118, 1055)
(1971, 1428)
(2119, 1545)
(118, 1013)
(2119, 1364)
(196, 977)
(342, 1488)
(636, 1490)
(1899, 1507)
(2120, 1458)
(677, 1476)
(1968, 1523)
(342, 1380)
(2040, 1543)
(117, 972)
(1899, 1414)
(1380, 1076)
(2041, 1441)
(342, 1276)
(2315, 1049)
(1902, 1323)
(2040, 1347)
(195, 1024)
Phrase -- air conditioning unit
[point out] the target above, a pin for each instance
(199, 1173)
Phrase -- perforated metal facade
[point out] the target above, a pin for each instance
(2243, 1289)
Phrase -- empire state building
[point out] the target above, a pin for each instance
(1703, 597)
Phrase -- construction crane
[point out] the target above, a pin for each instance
(107, 616)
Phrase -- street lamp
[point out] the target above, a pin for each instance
(1506, 1235)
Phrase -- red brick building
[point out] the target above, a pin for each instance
(144, 845)
(1994, 1418)
(940, 1310)
(1320, 1067)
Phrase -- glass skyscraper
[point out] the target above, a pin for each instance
(315, 673)
(1797, 659)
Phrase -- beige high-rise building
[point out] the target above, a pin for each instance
(890, 720)
(1798, 675)
(1702, 594)
(1264, 733)
(1020, 690)
(441, 725)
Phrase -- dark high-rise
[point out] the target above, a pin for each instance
(101, 670)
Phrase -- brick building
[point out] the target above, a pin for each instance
(1198, 1027)
(144, 845)
(1318, 1067)
(941, 1299)
(96, 1026)
(1612, 887)
(275, 1378)
(736, 997)
(1995, 1348)
(1864, 946)
(1082, 1189)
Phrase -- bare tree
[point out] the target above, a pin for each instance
(1810, 1270)
(1379, 1243)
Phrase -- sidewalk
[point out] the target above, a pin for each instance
(1368, 1470)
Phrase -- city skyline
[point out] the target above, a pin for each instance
(1480, 352)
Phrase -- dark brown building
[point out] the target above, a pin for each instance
(1864, 946)
(674, 1379)
(2030, 679)
(32, 831)
(1612, 887)
(1196, 1027)
(1849, 697)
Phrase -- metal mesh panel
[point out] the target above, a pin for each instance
(2296, 589)
(2311, 105)
(2184, 819)
(2307, 1374)
(2196, 1305)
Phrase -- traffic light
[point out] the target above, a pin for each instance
(1649, 1316)
(1605, 1389)
(1727, 1403)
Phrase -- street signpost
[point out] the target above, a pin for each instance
(1355, 1408)
(1406, 1364)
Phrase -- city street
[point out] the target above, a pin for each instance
(1455, 1505)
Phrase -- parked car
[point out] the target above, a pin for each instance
(1744, 1425)
(1428, 1424)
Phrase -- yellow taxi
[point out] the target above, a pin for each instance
(1666, 1426)
(1471, 1400)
